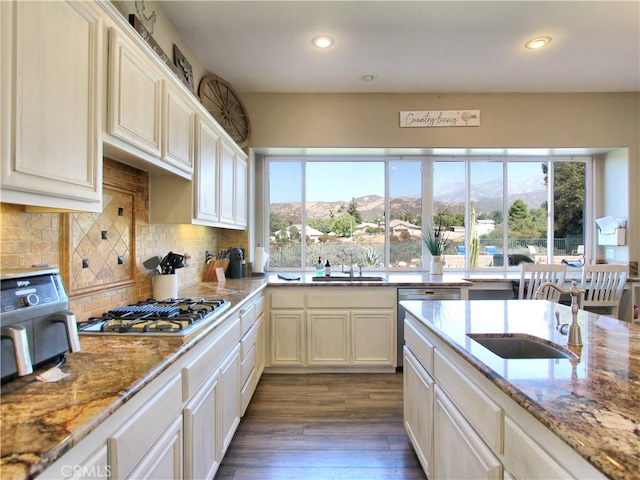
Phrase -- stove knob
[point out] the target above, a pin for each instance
(31, 299)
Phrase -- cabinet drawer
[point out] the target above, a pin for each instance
(524, 458)
(421, 348)
(247, 364)
(247, 317)
(201, 367)
(485, 416)
(287, 300)
(351, 298)
(130, 443)
(248, 341)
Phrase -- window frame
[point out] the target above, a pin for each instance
(262, 234)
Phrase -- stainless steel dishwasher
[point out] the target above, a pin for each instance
(424, 293)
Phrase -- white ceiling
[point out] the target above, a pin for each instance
(415, 46)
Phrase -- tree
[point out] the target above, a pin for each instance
(321, 224)
(343, 225)
(568, 197)
(518, 210)
(276, 223)
(294, 233)
(353, 211)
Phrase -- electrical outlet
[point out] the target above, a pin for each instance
(610, 253)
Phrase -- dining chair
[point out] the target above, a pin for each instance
(603, 285)
(532, 275)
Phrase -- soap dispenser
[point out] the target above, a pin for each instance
(327, 269)
(319, 268)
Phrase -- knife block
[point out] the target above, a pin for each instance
(210, 272)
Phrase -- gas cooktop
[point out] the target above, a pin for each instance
(176, 316)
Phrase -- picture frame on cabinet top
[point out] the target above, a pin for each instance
(184, 67)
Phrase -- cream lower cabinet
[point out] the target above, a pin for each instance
(418, 409)
(478, 431)
(150, 442)
(200, 425)
(51, 104)
(458, 451)
(181, 424)
(333, 327)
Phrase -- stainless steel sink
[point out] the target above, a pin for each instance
(346, 278)
(520, 346)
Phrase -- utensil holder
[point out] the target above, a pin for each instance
(165, 286)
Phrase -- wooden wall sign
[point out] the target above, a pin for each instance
(440, 118)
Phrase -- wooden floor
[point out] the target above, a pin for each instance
(323, 426)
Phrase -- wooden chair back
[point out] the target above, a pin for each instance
(534, 275)
(603, 285)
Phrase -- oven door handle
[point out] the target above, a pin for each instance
(18, 335)
(71, 327)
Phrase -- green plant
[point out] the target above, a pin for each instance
(434, 239)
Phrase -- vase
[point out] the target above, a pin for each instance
(436, 265)
(165, 286)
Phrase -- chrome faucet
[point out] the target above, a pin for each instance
(575, 335)
(350, 255)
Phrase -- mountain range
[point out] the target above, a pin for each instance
(447, 198)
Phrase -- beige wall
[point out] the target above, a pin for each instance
(507, 120)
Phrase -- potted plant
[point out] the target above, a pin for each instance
(435, 241)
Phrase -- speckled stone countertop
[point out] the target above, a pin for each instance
(593, 406)
(41, 421)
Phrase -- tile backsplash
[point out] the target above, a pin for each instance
(28, 238)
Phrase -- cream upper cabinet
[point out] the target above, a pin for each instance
(51, 94)
(135, 96)
(241, 190)
(233, 185)
(206, 190)
(178, 123)
(227, 184)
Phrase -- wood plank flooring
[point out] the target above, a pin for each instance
(323, 427)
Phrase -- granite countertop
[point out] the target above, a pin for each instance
(593, 406)
(42, 421)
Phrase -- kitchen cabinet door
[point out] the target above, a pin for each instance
(227, 184)
(418, 409)
(207, 205)
(328, 337)
(230, 399)
(287, 337)
(164, 460)
(459, 452)
(200, 432)
(51, 104)
(241, 191)
(178, 127)
(373, 337)
(135, 96)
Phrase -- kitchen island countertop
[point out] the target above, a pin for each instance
(592, 405)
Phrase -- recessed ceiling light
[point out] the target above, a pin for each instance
(367, 78)
(537, 42)
(322, 41)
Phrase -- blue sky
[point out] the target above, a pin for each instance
(330, 181)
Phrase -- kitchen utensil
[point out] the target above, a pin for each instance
(152, 263)
(170, 262)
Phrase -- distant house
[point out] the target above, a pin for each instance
(398, 227)
(362, 228)
(310, 232)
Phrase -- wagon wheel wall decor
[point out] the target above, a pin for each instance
(225, 106)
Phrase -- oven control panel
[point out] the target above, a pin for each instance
(28, 292)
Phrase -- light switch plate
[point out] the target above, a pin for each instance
(610, 253)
